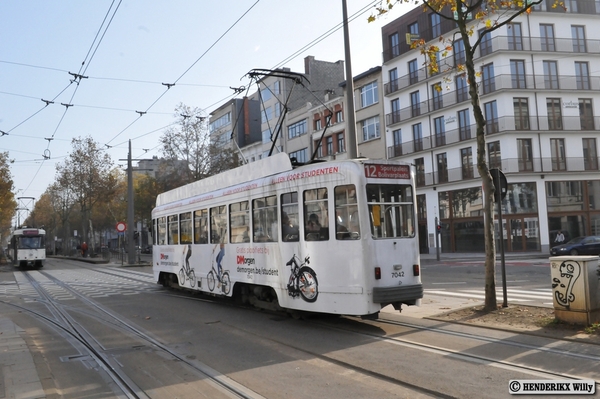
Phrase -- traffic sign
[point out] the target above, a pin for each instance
(500, 184)
(121, 227)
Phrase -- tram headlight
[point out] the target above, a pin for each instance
(377, 273)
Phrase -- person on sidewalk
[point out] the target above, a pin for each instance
(560, 238)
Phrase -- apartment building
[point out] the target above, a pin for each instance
(540, 91)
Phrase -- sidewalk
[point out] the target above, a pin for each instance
(481, 256)
(18, 376)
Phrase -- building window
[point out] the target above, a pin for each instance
(578, 34)
(417, 137)
(413, 71)
(554, 114)
(277, 107)
(413, 28)
(466, 157)
(394, 45)
(485, 45)
(267, 115)
(464, 125)
(395, 115)
(329, 141)
(393, 85)
(590, 154)
(317, 124)
(415, 104)
(515, 36)
(525, 155)
(339, 116)
(301, 156)
(276, 88)
(582, 75)
(420, 167)
(440, 131)
(266, 136)
(462, 91)
(397, 148)
(551, 74)
(297, 129)
(491, 117)
(319, 147)
(341, 142)
(459, 52)
(370, 128)
(442, 167)
(521, 107)
(586, 114)
(436, 95)
(266, 94)
(547, 37)
(557, 152)
(489, 84)
(517, 73)
(494, 156)
(436, 25)
(369, 94)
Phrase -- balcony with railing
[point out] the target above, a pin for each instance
(508, 166)
(501, 43)
(507, 124)
(500, 82)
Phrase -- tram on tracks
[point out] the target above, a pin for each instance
(27, 247)
(334, 237)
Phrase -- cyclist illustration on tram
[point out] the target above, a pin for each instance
(186, 273)
(222, 276)
(303, 280)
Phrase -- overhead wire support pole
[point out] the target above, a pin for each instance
(351, 127)
(130, 209)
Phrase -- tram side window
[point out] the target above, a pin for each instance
(239, 222)
(316, 217)
(161, 237)
(392, 210)
(346, 213)
(173, 232)
(201, 227)
(264, 219)
(289, 217)
(185, 228)
(218, 225)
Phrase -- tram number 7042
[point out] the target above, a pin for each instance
(397, 274)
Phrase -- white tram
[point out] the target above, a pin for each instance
(336, 237)
(27, 247)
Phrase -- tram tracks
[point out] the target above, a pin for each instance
(434, 346)
(60, 318)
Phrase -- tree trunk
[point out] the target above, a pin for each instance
(486, 179)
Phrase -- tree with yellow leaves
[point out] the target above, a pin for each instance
(485, 16)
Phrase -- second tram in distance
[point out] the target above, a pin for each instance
(333, 237)
(27, 247)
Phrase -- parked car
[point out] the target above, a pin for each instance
(147, 249)
(589, 245)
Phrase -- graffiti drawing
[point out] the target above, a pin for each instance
(563, 287)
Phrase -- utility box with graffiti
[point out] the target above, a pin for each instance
(575, 288)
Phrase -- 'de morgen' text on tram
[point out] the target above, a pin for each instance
(336, 237)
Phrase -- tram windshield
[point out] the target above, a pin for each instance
(391, 210)
(30, 242)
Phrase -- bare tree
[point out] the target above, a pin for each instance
(188, 151)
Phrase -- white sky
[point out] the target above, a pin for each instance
(149, 42)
